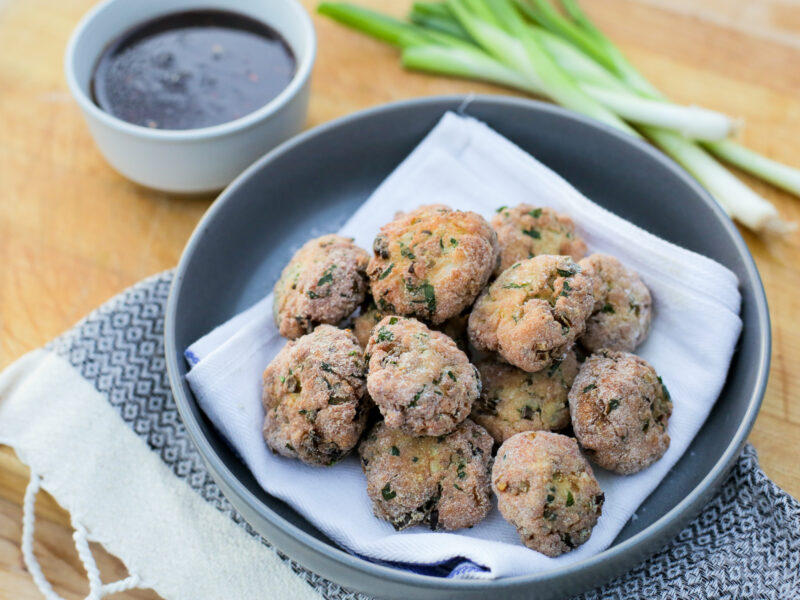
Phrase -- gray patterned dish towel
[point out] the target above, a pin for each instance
(93, 416)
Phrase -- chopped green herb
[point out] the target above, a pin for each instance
(536, 213)
(564, 273)
(407, 253)
(451, 375)
(570, 499)
(415, 459)
(302, 411)
(612, 404)
(384, 335)
(312, 294)
(534, 233)
(290, 447)
(393, 321)
(334, 401)
(567, 287)
(460, 471)
(515, 286)
(387, 492)
(550, 498)
(353, 353)
(386, 272)
(455, 485)
(589, 388)
(395, 451)
(326, 367)
(608, 309)
(664, 388)
(327, 276)
(501, 209)
(283, 379)
(441, 244)
(553, 368)
(430, 296)
(453, 242)
(385, 306)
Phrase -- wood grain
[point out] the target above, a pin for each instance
(73, 232)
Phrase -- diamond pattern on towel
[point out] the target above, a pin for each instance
(744, 544)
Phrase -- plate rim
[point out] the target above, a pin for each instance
(688, 507)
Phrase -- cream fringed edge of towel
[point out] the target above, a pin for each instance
(120, 494)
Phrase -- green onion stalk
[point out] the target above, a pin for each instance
(530, 46)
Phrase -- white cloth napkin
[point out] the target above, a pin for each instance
(464, 164)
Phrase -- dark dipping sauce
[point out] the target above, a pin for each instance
(192, 69)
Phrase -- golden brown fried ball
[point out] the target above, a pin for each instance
(622, 310)
(314, 397)
(533, 313)
(442, 482)
(422, 383)
(323, 283)
(620, 409)
(513, 400)
(525, 231)
(432, 262)
(547, 490)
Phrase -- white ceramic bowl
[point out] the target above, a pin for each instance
(192, 160)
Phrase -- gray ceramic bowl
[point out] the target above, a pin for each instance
(313, 182)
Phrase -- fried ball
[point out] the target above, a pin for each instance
(323, 283)
(622, 310)
(525, 231)
(314, 397)
(422, 383)
(513, 400)
(547, 490)
(620, 409)
(364, 323)
(432, 262)
(442, 482)
(533, 312)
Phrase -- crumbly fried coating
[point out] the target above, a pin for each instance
(314, 397)
(323, 283)
(533, 313)
(547, 490)
(431, 263)
(513, 400)
(442, 482)
(620, 409)
(622, 310)
(364, 323)
(422, 383)
(525, 231)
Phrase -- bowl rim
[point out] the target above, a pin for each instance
(302, 73)
(687, 507)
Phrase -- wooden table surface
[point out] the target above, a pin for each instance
(74, 233)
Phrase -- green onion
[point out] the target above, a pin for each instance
(530, 46)
(783, 176)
